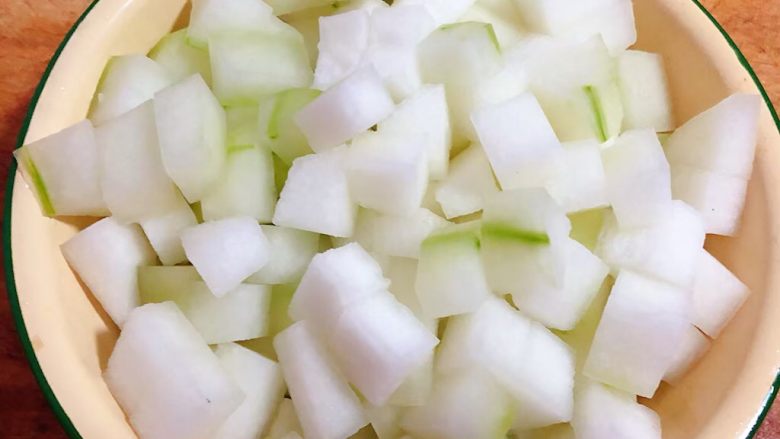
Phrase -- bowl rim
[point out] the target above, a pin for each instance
(13, 298)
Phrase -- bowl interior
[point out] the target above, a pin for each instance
(72, 337)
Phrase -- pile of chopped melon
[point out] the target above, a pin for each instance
(436, 219)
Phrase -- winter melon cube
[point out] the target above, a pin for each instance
(504, 15)
(396, 235)
(243, 127)
(292, 251)
(278, 130)
(602, 411)
(693, 347)
(181, 59)
(344, 39)
(645, 93)
(717, 295)
(443, 11)
(719, 198)
(164, 232)
(468, 184)
(214, 17)
(580, 183)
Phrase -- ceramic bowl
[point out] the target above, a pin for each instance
(68, 338)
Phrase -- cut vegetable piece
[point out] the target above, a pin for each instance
(722, 139)
(63, 171)
(181, 59)
(378, 342)
(285, 422)
(580, 183)
(384, 421)
(241, 71)
(639, 184)
(278, 130)
(246, 189)
(133, 180)
(450, 277)
(191, 126)
(106, 256)
(316, 196)
(226, 252)
(668, 250)
(717, 295)
(396, 235)
(601, 412)
(719, 198)
(417, 387)
(161, 371)
(334, 280)
(127, 82)
(387, 173)
(693, 347)
(164, 232)
(521, 156)
(292, 251)
(641, 330)
(348, 108)
(645, 93)
(424, 116)
(469, 183)
(261, 381)
(242, 126)
(443, 11)
(215, 17)
(325, 404)
(342, 45)
(503, 15)
(580, 338)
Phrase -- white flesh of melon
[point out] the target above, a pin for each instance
(226, 252)
(693, 347)
(396, 235)
(719, 198)
(164, 232)
(604, 412)
(278, 130)
(503, 15)
(162, 372)
(645, 93)
(181, 59)
(213, 17)
(106, 256)
(580, 183)
(384, 421)
(717, 295)
(291, 252)
(468, 184)
(342, 45)
(443, 11)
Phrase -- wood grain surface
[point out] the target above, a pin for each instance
(30, 31)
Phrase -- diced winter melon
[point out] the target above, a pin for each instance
(639, 184)
(532, 364)
(387, 173)
(645, 93)
(503, 15)
(717, 295)
(580, 183)
(162, 372)
(719, 198)
(63, 171)
(640, 332)
(580, 338)
(668, 250)
(693, 347)
(106, 256)
(242, 126)
(468, 184)
(519, 142)
(226, 252)
(191, 126)
(424, 116)
(261, 381)
(133, 180)
(164, 232)
(384, 421)
(240, 69)
(325, 404)
(348, 108)
(247, 187)
(343, 41)
(450, 277)
(291, 252)
(603, 412)
(127, 82)
(214, 17)
(378, 342)
(722, 139)
(278, 130)
(181, 59)
(316, 196)
(396, 235)
(443, 11)
(282, 7)
(334, 280)
(285, 422)
(463, 405)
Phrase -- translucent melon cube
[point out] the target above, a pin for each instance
(343, 41)
(285, 421)
(292, 251)
(261, 381)
(63, 171)
(161, 371)
(443, 11)
(127, 82)
(503, 15)
(133, 180)
(106, 256)
(324, 403)
(642, 327)
(164, 232)
(522, 154)
(396, 235)
(602, 411)
(580, 183)
(645, 92)
(693, 347)
(214, 17)
(180, 58)
(226, 252)
(278, 130)
(717, 295)
(450, 277)
(468, 184)
(243, 126)
(316, 196)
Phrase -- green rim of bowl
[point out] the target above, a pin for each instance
(13, 296)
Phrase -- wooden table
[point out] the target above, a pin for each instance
(30, 30)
